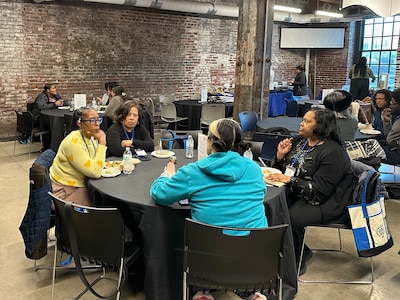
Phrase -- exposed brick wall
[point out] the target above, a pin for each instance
(148, 52)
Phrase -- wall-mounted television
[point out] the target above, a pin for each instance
(313, 38)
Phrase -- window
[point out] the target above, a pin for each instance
(379, 45)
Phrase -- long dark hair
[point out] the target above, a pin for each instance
(361, 66)
(326, 124)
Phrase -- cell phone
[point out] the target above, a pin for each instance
(184, 202)
(141, 154)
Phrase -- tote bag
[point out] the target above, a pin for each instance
(368, 221)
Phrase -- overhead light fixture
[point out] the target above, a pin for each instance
(328, 14)
(287, 9)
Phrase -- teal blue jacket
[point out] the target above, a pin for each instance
(224, 189)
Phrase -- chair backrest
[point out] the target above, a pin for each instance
(303, 108)
(248, 120)
(292, 108)
(30, 106)
(99, 232)
(168, 110)
(24, 122)
(271, 141)
(69, 124)
(248, 262)
(167, 98)
(212, 111)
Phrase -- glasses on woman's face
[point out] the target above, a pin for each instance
(94, 120)
(393, 102)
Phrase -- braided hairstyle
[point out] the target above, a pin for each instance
(80, 114)
(225, 135)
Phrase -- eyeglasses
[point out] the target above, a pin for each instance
(393, 103)
(93, 121)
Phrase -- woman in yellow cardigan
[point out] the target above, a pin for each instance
(81, 155)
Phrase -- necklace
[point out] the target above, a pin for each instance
(303, 151)
(126, 133)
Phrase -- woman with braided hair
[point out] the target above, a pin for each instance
(224, 188)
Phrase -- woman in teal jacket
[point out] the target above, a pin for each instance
(224, 189)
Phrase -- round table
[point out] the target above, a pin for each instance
(192, 110)
(293, 125)
(162, 227)
(56, 121)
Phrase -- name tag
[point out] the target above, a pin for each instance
(290, 171)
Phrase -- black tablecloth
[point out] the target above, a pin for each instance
(56, 121)
(192, 110)
(293, 125)
(162, 227)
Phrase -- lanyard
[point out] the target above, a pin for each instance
(303, 152)
(126, 133)
(94, 147)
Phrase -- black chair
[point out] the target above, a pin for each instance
(344, 223)
(248, 263)
(96, 235)
(68, 124)
(269, 147)
(292, 108)
(303, 108)
(25, 126)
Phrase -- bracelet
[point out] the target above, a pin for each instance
(166, 174)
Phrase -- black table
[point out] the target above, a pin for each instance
(162, 227)
(56, 121)
(192, 110)
(293, 125)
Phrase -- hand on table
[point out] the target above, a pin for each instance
(126, 143)
(170, 168)
(59, 102)
(279, 178)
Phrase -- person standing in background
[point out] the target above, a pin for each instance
(360, 74)
(300, 82)
(107, 95)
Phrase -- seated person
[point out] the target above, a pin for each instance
(104, 100)
(339, 102)
(81, 155)
(118, 96)
(223, 189)
(127, 132)
(318, 174)
(380, 101)
(392, 129)
(47, 99)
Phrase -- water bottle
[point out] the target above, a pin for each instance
(248, 154)
(72, 105)
(189, 147)
(127, 160)
(94, 104)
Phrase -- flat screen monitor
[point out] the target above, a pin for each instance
(313, 38)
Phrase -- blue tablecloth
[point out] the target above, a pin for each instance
(277, 103)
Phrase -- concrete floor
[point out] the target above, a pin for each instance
(20, 281)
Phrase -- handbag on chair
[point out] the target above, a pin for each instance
(368, 221)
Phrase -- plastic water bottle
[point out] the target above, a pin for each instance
(94, 104)
(127, 160)
(72, 105)
(189, 147)
(248, 154)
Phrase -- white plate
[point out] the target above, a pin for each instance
(162, 153)
(370, 131)
(110, 172)
(63, 107)
(267, 170)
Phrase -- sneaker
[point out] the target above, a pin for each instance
(203, 295)
(257, 296)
